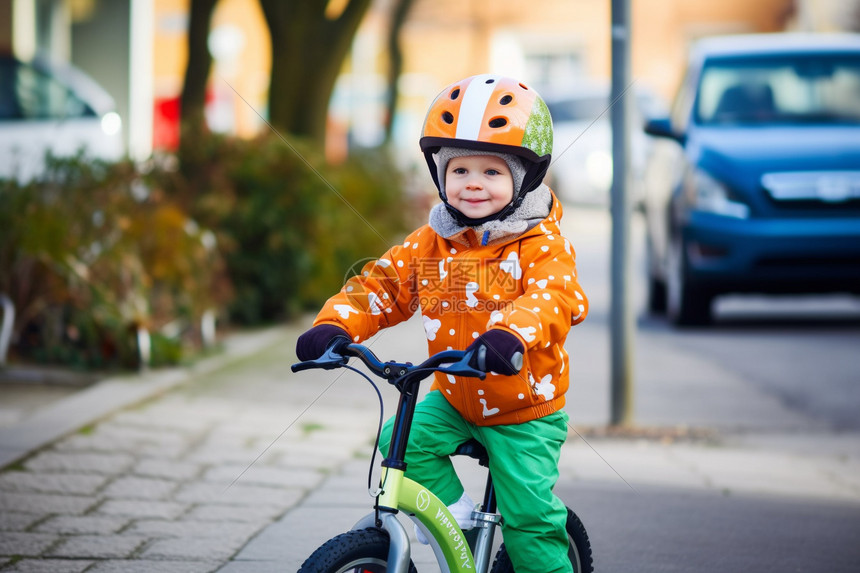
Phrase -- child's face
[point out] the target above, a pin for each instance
(478, 185)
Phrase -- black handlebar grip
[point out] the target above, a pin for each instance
(302, 366)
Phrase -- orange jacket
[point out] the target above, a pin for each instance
(526, 285)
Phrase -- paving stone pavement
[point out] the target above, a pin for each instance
(245, 469)
(183, 481)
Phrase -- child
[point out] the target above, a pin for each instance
(490, 273)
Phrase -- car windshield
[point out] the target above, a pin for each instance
(788, 89)
(29, 94)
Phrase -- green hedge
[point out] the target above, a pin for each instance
(93, 251)
(90, 253)
(289, 225)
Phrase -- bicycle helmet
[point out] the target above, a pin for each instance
(490, 113)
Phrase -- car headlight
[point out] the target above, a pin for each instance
(709, 195)
(111, 123)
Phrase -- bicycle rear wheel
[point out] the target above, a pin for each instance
(579, 551)
(360, 551)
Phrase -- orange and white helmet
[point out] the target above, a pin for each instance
(493, 113)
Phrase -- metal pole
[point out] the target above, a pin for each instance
(621, 316)
(207, 329)
(144, 348)
(6, 328)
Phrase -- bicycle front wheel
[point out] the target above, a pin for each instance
(579, 551)
(360, 551)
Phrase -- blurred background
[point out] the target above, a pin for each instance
(138, 51)
(169, 164)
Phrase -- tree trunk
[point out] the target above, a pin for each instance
(192, 101)
(395, 64)
(308, 49)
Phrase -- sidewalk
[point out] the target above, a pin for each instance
(99, 400)
(241, 467)
(169, 471)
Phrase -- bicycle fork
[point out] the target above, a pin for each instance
(457, 552)
(486, 519)
(485, 524)
(399, 551)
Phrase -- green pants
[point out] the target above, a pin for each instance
(524, 465)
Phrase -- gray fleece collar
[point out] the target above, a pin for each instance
(535, 208)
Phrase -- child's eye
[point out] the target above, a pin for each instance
(493, 172)
(459, 170)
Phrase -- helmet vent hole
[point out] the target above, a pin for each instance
(490, 81)
(455, 94)
(448, 117)
(497, 122)
(525, 87)
(506, 100)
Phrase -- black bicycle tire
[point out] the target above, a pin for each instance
(577, 535)
(346, 548)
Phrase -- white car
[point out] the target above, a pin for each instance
(581, 170)
(55, 110)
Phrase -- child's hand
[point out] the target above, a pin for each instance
(313, 343)
(497, 351)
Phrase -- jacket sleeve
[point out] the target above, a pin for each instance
(553, 300)
(380, 296)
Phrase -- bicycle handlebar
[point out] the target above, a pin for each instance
(339, 351)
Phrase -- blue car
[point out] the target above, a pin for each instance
(753, 183)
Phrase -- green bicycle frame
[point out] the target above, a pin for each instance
(404, 494)
(399, 493)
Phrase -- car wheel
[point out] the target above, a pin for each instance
(656, 296)
(656, 285)
(686, 304)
